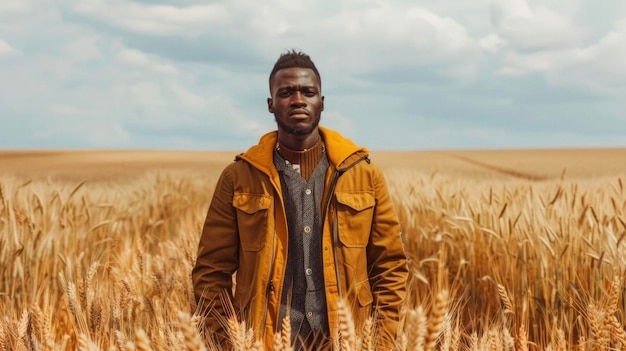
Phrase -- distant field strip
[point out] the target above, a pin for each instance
(503, 170)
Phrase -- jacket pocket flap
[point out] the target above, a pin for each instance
(365, 295)
(356, 200)
(251, 203)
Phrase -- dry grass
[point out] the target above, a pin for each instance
(517, 250)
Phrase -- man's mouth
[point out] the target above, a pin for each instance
(299, 113)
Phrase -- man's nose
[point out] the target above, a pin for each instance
(298, 99)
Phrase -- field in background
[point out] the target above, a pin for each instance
(488, 164)
(96, 248)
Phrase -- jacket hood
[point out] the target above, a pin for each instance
(338, 148)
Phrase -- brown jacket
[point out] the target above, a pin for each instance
(246, 232)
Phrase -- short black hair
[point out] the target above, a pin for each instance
(293, 58)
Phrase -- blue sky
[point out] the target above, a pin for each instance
(397, 75)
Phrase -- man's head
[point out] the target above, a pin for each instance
(295, 95)
(292, 59)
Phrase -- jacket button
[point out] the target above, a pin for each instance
(309, 271)
(307, 229)
(309, 314)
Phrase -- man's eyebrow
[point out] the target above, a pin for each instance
(297, 87)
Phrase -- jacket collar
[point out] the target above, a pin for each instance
(338, 148)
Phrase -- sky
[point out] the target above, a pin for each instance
(396, 74)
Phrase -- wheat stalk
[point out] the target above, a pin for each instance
(435, 322)
(346, 330)
(192, 339)
(42, 328)
(142, 341)
(582, 343)
(417, 328)
(522, 339)
(596, 324)
(285, 334)
(236, 333)
(561, 344)
(24, 335)
(494, 341)
(4, 342)
(120, 341)
(368, 335)
(446, 337)
(506, 301)
(473, 342)
(86, 344)
(617, 332)
(97, 318)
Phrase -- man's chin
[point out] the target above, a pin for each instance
(298, 131)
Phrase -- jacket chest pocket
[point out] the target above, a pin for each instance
(355, 211)
(252, 219)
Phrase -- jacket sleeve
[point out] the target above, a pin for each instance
(387, 264)
(217, 260)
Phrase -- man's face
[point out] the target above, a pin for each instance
(296, 100)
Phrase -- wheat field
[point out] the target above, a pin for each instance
(509, 249)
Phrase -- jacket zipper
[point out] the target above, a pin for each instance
(270, 283)
(331, 190)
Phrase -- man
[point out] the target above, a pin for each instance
(304, 220)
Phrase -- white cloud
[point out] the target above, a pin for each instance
(609, 54)
(339, 121)
(360, 36)
(492, 43)
(83, 130)
(193, 100)
(7, 50)
(600, 65)
(147, 95)
(14, 6)
(254, 128)
(374, 35)
(153, 19)
(535, 27)
(64, 109)
(136, 57)
(84, 47)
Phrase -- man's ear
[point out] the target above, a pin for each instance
(270, 105)
(322, 103)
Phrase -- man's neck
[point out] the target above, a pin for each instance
(306, 159)
(299, 142)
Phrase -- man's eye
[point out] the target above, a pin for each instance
(284, 93)
(309, 93)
